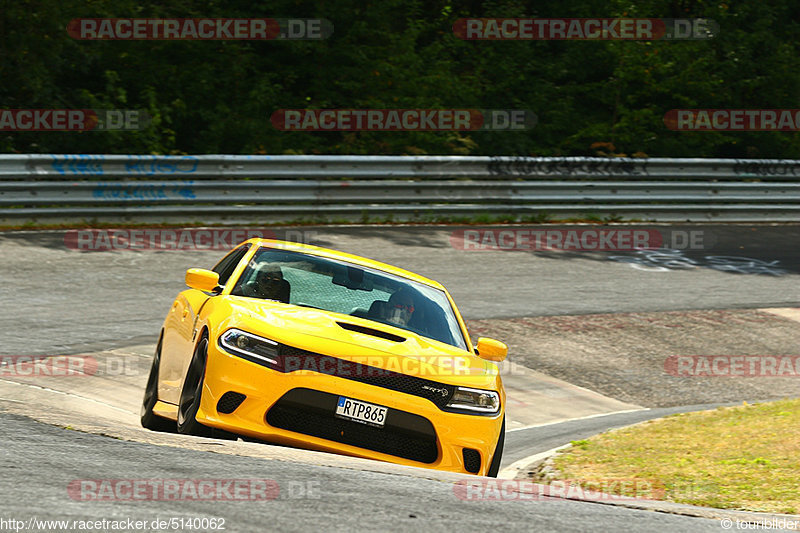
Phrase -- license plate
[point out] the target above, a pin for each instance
(363, 412)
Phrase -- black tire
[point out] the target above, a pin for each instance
(494, 468)
(191, 393)
(149, 419)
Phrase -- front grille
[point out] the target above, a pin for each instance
(311, 412)
(292, 359)
(229, 402)
(472, 460)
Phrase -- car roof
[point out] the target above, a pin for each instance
(343, 256)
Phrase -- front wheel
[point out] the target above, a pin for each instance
(191, 393)
(494, 468)
(149, 419)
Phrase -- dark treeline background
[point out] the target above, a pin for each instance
(591, 97)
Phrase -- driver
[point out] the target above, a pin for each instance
(269, 284)
(400, 308)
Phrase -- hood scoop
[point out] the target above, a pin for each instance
(370, 331)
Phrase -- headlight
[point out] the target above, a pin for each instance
(480, 401)
(248, 345)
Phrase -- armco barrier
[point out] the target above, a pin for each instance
(151, 189)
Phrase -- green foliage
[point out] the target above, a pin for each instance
(217, 96)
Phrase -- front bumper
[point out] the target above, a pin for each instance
(294, 409)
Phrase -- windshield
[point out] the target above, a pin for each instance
(311, 281)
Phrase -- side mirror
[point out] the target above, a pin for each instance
(491, 349)
(202, 280)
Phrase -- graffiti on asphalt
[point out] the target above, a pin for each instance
(668, 260)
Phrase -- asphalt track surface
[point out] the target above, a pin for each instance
(75, 301)
(61, 301)
(39, 461)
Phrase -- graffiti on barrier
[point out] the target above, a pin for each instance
(115, 191)
(766, 168)
(148, 165)
(566, 166)
(139, 165)
(83, 165)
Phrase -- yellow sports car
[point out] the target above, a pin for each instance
(314, 348)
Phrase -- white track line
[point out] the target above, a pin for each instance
(69, 394)
(511, 471)
(598, 415)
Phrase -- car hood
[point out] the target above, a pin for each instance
(334, 334)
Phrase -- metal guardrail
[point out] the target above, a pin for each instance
(53, 188)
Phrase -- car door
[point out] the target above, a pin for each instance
(179, 335)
